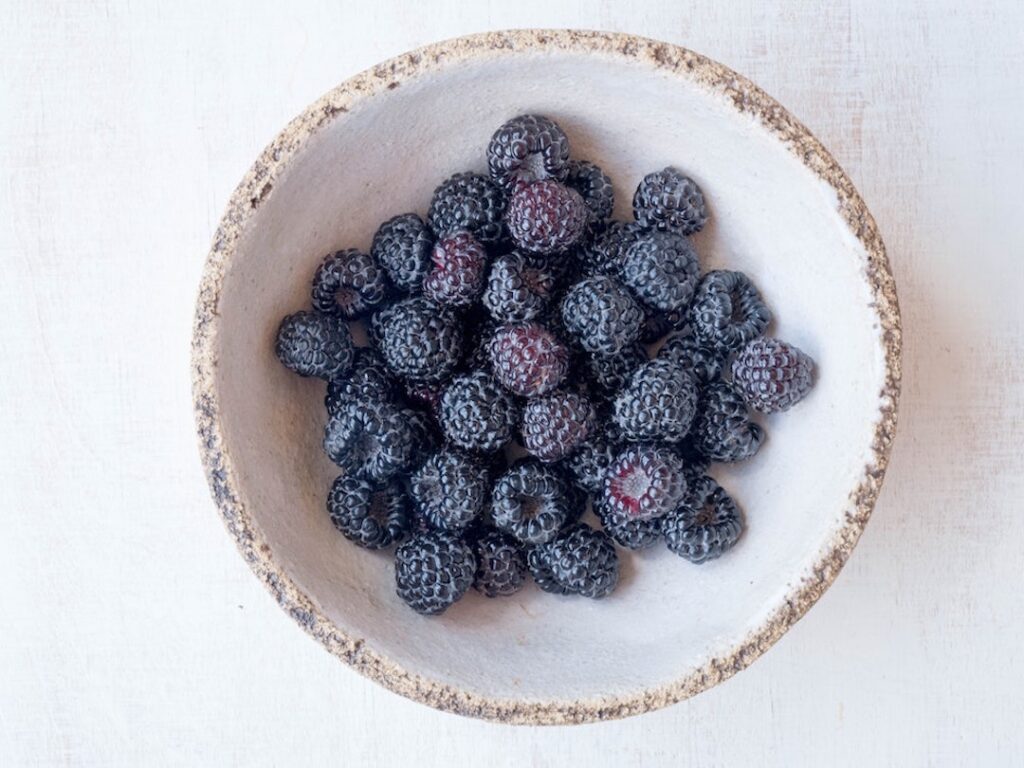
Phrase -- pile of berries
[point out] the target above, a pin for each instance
(532, 361)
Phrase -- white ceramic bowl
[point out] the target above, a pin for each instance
(781, 210)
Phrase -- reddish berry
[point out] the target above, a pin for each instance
(546, 217)
(528, 359)
(645, 481)
(459, 270)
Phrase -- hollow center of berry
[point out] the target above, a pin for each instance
(346, 297)
(531, 507)
(736, 308)
(535, 282)
(635, 484)
(378, 507)
(705, 515)
(532, 168)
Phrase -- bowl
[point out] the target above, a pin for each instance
(781, 209)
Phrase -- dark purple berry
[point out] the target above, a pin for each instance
(670, 200)
(662, 269)
(727, 310)
(772, 375)
(402, 246)
(705, 525)
(525, 149)
(348, 283)
(312, 344)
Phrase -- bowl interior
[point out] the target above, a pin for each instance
(770, 217)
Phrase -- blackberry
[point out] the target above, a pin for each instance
(626, 530)
(594, 187)
(402, 246)
(433, 570)
(703, 363)
(555, 425)
(459, 270)
(527, 359)
(546, 217)
(527, 148)
(584, 561)
(374, 440)
(772, 375)
(418, 339)
(610, 373)
(605, 253)
(659, 402)
(658, 324)
(669, 200)
(311, 344)
(538, 560)
(476, 413)
(705, 525)
(601, 315)
(723, 430)
(530, 501)
(645, 481)
(500, 565)
(589, 463)
(727, 310)
(348, 283)
(368, 378)
(662, 269)
(468, 201)
(449, 490)
(373, 516)
(518, 287)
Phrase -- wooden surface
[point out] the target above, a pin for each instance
(131, 633)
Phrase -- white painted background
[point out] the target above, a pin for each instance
(131, 633)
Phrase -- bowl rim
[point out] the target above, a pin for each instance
(257, 184)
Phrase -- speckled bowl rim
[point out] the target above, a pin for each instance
(258, 184)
